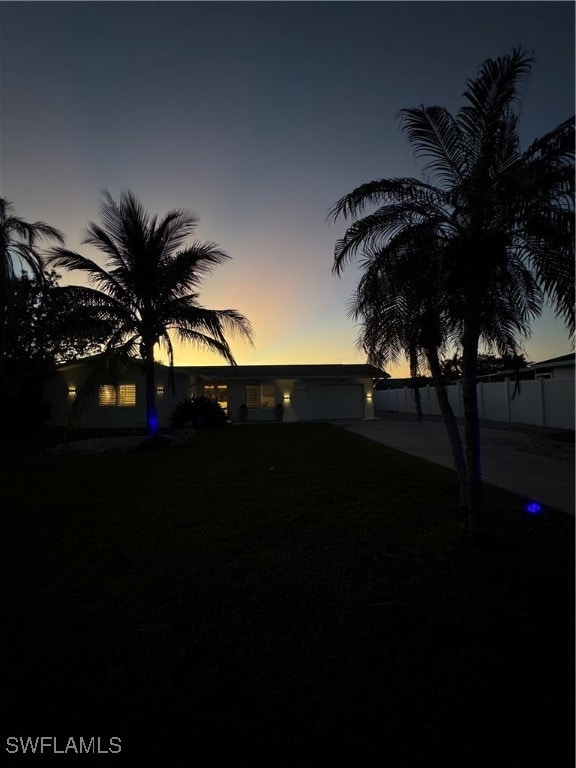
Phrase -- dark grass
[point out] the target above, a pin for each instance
(281, 595)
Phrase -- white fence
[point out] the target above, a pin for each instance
(542, 402)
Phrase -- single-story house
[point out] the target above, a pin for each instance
(246, 392)
(555, 368)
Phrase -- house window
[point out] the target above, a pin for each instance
(117, 395)
(218, 393)
(260, 396)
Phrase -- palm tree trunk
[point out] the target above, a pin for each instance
(452, 430)
(150, 374)
(4, 317)
(472, 434)
(3, 323)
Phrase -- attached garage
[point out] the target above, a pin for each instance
(296, 392)
(330, 400)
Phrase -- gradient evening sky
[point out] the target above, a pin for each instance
(258, 117)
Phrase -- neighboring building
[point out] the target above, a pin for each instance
(556, 368)
(305, 392)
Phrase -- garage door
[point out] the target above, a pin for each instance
(332, 401)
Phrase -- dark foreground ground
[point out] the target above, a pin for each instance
(279, 595)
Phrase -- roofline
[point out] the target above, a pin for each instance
(282, 370)
(91, 358)
(333, 370)
(554, 362)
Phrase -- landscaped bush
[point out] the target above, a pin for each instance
(201, 412)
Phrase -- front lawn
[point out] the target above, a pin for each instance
(280, 595)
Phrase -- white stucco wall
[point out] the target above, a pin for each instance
(57, 386)
(324, 399)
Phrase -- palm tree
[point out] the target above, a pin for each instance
(399, 318)
(148, 287)
(452, 367)
(19, 241)
(503, 220)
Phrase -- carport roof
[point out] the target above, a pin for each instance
(331, 371)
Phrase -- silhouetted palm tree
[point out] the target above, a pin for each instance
(19, 241)
(398, 317)
(503, 222)
(452, 367)
(148, 288)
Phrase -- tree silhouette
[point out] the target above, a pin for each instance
(399, 317)
(48, 336)
(148, 287)
(502, 219)
(19, 247)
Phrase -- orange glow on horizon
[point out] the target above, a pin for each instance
(290, 351)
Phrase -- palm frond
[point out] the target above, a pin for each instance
(97, 236)
(97, 275)
(173, 231)
(377, 230)
(186, 313)
(39, 230)
(492, 97)
(206, 341)
(434, 134)
(559, 141)
(187, 269)
(384, 191)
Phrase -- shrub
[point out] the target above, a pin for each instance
(201, 412)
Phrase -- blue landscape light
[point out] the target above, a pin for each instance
(153, 421)
(533, 508)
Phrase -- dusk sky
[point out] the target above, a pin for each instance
(257, 117)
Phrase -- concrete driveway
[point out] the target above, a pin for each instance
(520, 458)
